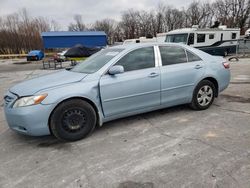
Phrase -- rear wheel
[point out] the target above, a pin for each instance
(203, 95)
(73, 120)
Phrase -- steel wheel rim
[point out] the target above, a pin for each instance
(205, 95)
(74, 120)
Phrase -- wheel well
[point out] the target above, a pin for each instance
(82, 98)
(214, 81)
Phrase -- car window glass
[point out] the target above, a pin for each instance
(172, 55)
(96, 61)
(211, 36)
(201, 38)
(191, 39)
(177, 38)
(192, 57)
(233, 35)
(138, 59)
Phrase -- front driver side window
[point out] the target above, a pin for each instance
(138, 59)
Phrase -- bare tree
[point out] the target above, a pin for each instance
(174, 18)
(159, 18)
(199, 14)
(78, 25)
(118, 33)
(146, 23)
(233, 13)
(20, 33)
(55, 26)
(138, 23)
(129, 23)
(108, 26)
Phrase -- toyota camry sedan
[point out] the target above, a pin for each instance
(115, 82)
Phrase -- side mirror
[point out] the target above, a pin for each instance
(117, 69)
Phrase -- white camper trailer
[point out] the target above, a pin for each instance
(161, 37)
(131, 41)
(247, 33)
(140, 40)
(215, 41)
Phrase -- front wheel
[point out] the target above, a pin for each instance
(73, 120)
(203, 95)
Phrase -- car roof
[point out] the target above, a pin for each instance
(136, 45)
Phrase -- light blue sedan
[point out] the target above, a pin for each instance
(116, 82)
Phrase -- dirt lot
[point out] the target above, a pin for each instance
(174, 147)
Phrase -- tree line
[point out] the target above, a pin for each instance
(21, 33)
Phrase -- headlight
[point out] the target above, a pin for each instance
(28, 101)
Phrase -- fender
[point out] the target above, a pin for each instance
(88, 91)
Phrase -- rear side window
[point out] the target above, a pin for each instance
(192, 57)
(201, 38)
(138, 59)
(172, 55)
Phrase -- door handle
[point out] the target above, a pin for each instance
(198, 67)
(153, 74)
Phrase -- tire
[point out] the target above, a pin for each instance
(73, 120)
(203, 95)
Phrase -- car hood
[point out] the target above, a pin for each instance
(32, 86)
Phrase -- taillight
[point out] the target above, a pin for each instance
(226, 65)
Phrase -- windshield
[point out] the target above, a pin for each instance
(177, 38)
(96, 61)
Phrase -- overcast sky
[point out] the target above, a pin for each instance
(63, 11)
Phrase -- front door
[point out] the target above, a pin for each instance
(135, 89)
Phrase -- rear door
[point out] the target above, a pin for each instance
(179, 73)
(135, 89)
